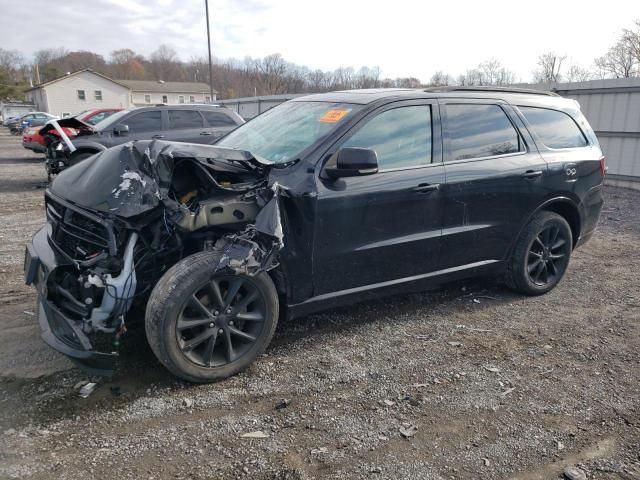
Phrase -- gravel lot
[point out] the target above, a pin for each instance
(497, 385)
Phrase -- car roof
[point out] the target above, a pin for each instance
(180, 106)
(513, 95)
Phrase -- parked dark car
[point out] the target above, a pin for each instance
(321, 201)
(192, 123)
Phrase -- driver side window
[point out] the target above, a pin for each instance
(401, 137)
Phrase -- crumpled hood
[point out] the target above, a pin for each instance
(135, 177)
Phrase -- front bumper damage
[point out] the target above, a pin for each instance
(58, 330)
(110, 216)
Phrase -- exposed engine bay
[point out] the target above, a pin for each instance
(122, 218)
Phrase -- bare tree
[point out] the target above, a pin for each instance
(631, 38)
(127, 65)
(549, 67)
(165, 65)
(440, 79)
(576, 73)
(619, 61)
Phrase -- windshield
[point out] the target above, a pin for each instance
(282, 133)
(110, 120)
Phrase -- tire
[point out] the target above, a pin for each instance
(175, 322)
(541, 255)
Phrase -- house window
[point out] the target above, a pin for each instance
(147, 98)
(98, 95)
(181, 99)
(192, 99)
(81, 95)
(165, 99)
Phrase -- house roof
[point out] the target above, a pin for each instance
(62, 77)
(166, 87)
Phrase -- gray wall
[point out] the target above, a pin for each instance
(249, 107)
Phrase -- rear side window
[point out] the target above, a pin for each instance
(555, 129)
(145, 121)
(477, 131)
(218, 119)
(400, 137)
(182, 119)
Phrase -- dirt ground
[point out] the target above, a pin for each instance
(496, 384)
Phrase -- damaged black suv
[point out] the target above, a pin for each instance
(321, 201)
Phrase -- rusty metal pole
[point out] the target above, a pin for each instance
(206, 6)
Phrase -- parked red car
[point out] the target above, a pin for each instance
(32, 140)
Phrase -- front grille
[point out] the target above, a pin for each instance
(79, 235)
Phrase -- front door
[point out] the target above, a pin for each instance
(386, 226)
(495, 179)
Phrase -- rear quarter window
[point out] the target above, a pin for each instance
(555, 129)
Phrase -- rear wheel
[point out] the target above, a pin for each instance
(541, 256)
(204, 325)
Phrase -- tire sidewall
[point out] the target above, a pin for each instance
(519, 273)
(167, 301)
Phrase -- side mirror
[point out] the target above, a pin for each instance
(121, 129)
(353, 162)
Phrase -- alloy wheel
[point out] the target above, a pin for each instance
(548, 256)
(220, 321)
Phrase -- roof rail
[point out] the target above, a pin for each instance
(490, 89)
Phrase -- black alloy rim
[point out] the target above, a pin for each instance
(547, 256)
(221, 321)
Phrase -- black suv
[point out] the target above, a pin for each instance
(192, 123)
(321, 201)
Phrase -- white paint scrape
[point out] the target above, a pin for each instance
(127, 178)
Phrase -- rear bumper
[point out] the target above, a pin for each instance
(34, 147)
(591, 208)
(60, 332)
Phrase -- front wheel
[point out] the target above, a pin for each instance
(205, 325)
(541, 256)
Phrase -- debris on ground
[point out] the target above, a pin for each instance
(574, 473)
(256, 434)
(87, 389)
(282, 404)
(408, 431)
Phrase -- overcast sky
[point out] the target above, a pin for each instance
(403, 38)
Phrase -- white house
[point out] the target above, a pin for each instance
(86, 89)
(150, 92)
(78, 91)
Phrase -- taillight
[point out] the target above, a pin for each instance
(603, 166)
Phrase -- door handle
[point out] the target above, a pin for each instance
(158, 136)
(532, 173)
(426, 187)
(206, 133)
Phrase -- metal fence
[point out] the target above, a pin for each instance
(249, 107)
(611, 106)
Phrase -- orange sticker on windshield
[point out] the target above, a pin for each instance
(333, 116)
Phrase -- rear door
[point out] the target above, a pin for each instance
(495, 178)
(185, 125)
(383, 227)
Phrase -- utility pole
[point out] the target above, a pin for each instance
(206, 6)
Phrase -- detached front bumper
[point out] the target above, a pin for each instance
(60, 332)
